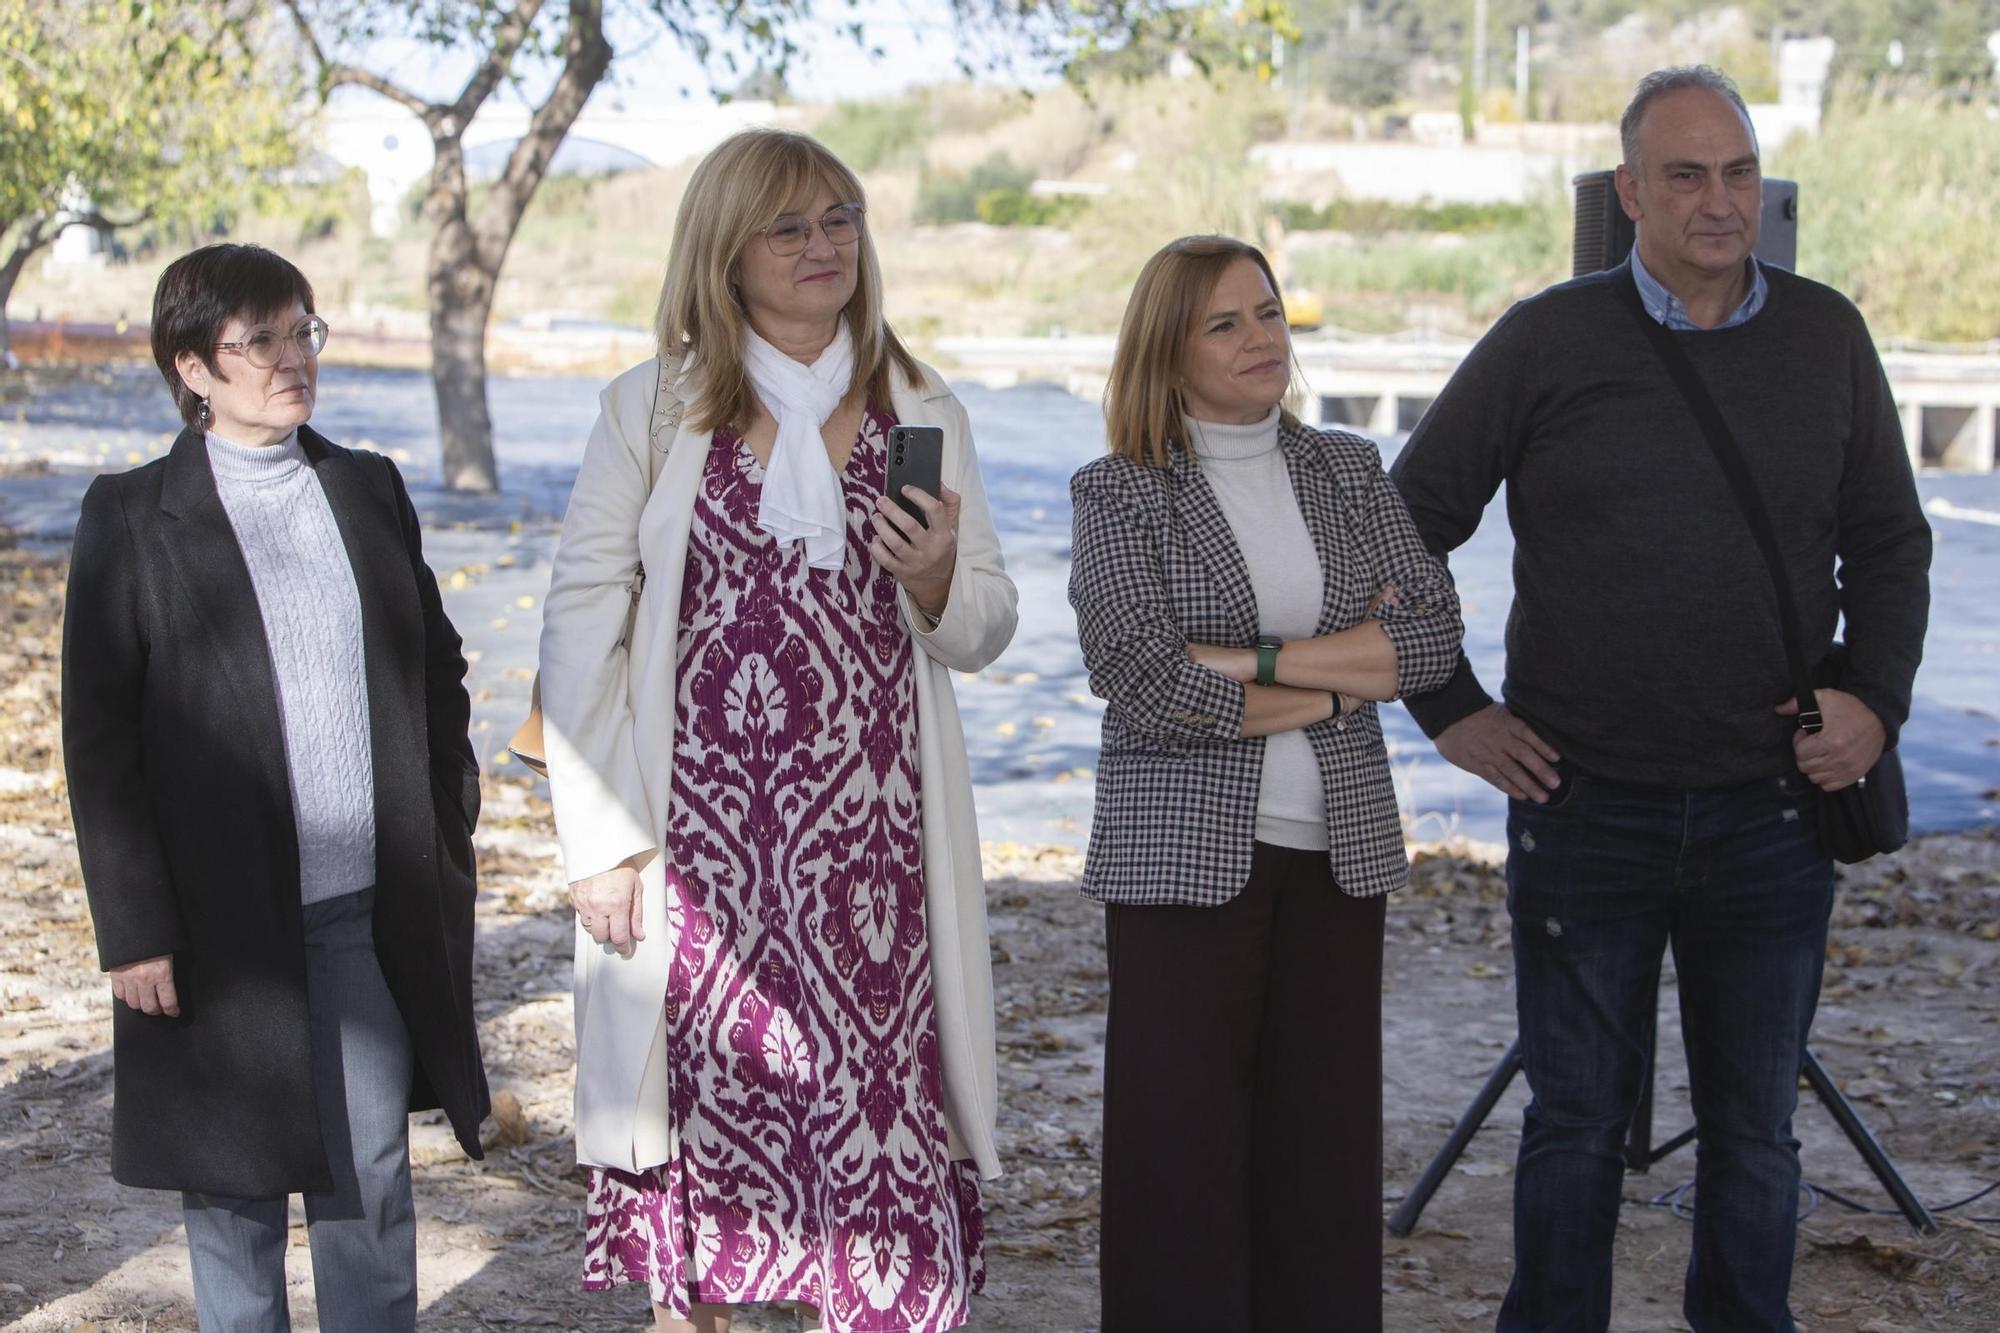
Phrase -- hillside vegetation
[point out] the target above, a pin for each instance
(1897, 201)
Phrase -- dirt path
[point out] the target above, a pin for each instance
(1909, 1025)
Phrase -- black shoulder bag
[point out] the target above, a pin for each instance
(1872, 815)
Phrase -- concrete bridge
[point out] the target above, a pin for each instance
(1950, 402)
(393, 149)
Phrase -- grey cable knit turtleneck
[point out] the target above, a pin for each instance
(311, 609)
(1245, 468)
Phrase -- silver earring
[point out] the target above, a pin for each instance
(205, 414)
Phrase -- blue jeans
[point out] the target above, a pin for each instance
(1599, 882)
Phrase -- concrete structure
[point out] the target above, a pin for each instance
(1803, 64)
(1950, 402)
(1509, 162)
(1411, 173)
(393, 149)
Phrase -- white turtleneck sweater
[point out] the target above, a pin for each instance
(1246, 469)
(311, 610)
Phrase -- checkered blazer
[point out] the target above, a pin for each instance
(1154, 567)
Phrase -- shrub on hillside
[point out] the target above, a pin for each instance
(866, 135)
(948, 197)
(1460, 281)
(1374, 216)
(1896, 206)
(1013, 207)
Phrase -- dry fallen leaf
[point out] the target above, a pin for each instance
(509, 1123)
(1890, 1259)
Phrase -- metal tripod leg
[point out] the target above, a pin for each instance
(1404, 1220)
(1858, 1134)
(1639, 1152)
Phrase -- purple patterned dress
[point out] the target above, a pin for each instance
(805, 1088)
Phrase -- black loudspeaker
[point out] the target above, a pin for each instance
(1604, 235)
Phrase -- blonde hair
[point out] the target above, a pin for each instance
(739, 189)
(1143, 401)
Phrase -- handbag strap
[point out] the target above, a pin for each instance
(667, 410)
(1729, 456)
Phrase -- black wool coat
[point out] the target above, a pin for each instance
(179, 791)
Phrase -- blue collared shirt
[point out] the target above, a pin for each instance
(1664, 306)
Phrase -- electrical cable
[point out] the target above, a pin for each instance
(1677, 1200)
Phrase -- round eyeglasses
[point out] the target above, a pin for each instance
(791, 233)
(265, 347)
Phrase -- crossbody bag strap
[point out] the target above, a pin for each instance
(1730, 458)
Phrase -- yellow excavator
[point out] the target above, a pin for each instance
(1303, 308)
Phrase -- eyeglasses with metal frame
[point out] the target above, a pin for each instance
(264, 347)
(791, 233)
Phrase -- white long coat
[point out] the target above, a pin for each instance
(609, 728)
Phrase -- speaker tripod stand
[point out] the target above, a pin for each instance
(1640, 1153)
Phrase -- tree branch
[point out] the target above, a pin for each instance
(333, 73)
(586, 57)
(507, 39)
(95, 218)
(339, 74)
(34, 234)
(310, 38)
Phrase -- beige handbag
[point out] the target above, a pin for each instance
(527, 744)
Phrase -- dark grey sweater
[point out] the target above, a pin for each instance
(1643, 642)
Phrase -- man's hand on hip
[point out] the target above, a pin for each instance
(1848, 743)
(1495, 745)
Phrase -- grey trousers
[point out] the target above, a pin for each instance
(363, 1235)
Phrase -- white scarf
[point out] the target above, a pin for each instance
(802, 498)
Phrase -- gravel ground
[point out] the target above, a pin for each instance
(1907, 1026)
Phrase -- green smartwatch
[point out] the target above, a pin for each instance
(1267, 658)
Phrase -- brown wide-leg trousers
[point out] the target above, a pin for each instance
(1243, 1109)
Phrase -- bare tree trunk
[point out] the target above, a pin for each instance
(33, 234)
(458, 373)
(468, 249)
(461, 300)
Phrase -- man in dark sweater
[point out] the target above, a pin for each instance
(1662, 793)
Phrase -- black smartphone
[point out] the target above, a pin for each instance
(916, 458)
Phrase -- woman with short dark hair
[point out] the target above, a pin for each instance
(264, 728)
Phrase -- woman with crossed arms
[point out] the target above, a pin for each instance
(1246, 589)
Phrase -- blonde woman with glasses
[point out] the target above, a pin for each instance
(785, 1063)
(1246, 590)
